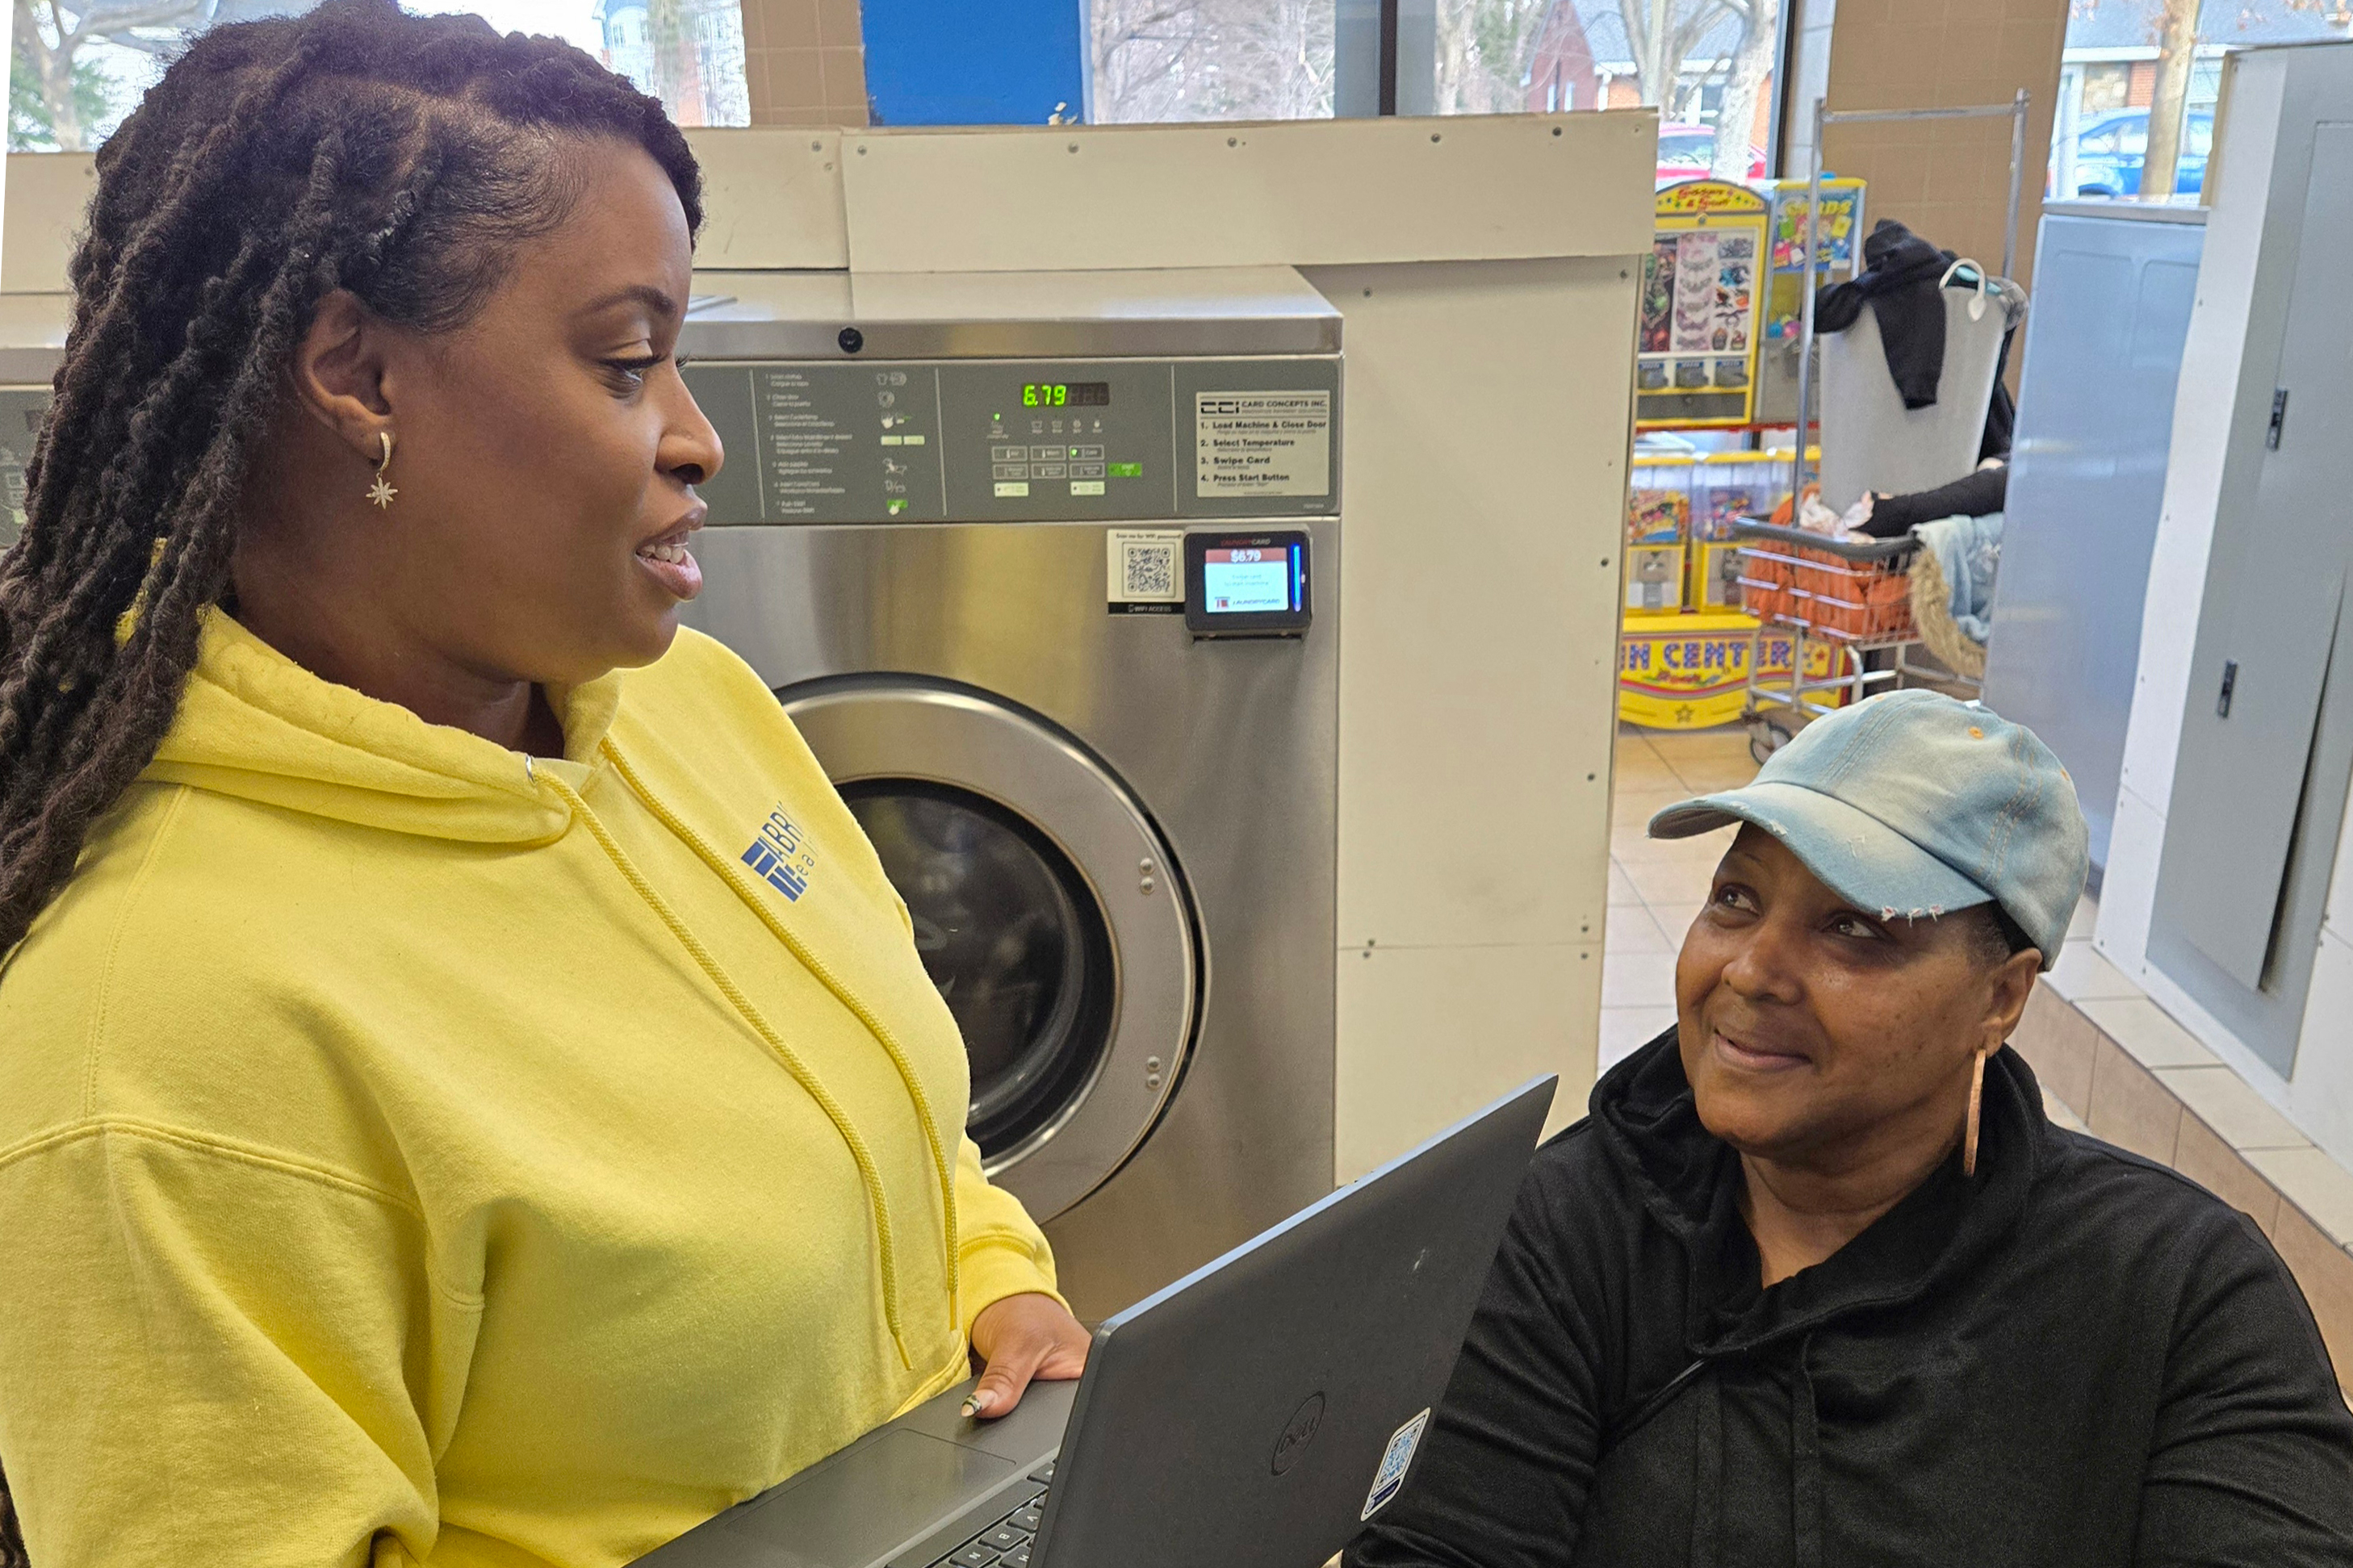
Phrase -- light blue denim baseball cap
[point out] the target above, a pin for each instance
(1913, 805)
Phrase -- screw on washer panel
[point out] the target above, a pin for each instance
(1152, 1081)
(1144, 867)
(1143, 885)
(1152, 1064)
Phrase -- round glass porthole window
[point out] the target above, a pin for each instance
(1012, 936)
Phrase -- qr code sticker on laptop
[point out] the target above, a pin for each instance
(1396, 1459)
(1147, 569)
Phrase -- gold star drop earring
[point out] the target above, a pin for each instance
(380, 492)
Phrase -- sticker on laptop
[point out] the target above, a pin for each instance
(1390, 1477)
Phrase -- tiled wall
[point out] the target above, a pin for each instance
(1949, 179)
(2140, 1080)
(805, 62)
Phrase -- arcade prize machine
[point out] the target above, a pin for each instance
(1785, 295)
(1658, 524)
(1715, 366)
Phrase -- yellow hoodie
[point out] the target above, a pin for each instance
(410, 1154)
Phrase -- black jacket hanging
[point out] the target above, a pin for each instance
(2074, 1359)
(1900, 279)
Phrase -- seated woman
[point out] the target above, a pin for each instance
(1817, 1283)
(467, 1092)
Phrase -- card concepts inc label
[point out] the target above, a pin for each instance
(1396, 1459)
(1262, 444)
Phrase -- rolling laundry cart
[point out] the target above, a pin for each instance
(1856, 597)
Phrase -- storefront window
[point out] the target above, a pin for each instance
(81, 64)
(1706, 65)
(2137, 72)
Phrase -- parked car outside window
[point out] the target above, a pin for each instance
(1688, 153)
(2110, 149)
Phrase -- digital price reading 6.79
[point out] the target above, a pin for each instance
(1061, 394)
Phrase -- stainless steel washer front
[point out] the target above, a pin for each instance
(1048, 910)
(953, 535)
(975, 664)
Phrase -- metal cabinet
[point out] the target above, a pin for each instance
(2266, 748)
(2114, 283)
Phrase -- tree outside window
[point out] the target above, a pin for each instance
(1155, 61)
(1704, 64)
(2138, 81)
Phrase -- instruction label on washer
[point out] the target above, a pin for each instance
(1146, 571)
(1262, 444)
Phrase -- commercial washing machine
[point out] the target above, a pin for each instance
(1045, 568)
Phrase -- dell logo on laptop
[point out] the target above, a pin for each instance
(1298, 1433)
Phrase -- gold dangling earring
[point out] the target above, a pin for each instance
(1969, 1135)
(380, 492)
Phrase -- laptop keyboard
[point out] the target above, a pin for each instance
(1005, 1543)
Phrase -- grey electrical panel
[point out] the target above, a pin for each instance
(1021, 440)
(2266, 752)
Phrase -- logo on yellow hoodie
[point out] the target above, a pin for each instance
(781, 856)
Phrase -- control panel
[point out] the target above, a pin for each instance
(1019, 440)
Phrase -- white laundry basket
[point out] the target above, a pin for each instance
(1869, 440)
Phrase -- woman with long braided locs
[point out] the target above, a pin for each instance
(353, 147)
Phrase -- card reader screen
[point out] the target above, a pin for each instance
(1253, 585)
(1251, 580)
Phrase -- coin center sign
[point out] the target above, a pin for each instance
(1688, 672)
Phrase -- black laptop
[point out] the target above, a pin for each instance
(1257, 1412)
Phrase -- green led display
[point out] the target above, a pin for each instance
(1062, 394)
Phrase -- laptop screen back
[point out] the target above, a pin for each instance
(1243, 1417)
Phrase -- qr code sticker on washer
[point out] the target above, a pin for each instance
(1146, 569)
(1150, 570)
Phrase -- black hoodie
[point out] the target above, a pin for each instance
(1900, 283)
(2076, 1358)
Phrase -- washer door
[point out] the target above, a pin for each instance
(1046, 909)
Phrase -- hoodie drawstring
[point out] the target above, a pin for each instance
(1708, 1459)
(943, 1159)
(1707, 1476)
(868, 1176)
(1805, 1463)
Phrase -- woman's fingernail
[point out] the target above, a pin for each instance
(975, 1402)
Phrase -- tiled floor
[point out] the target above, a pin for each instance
(1656, 886)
